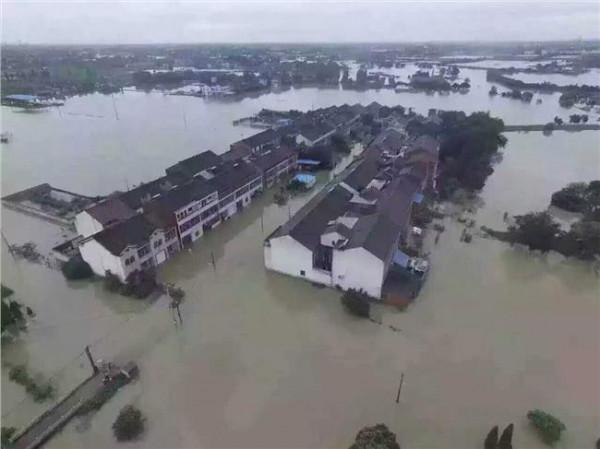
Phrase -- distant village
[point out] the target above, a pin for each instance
(59, 72)
(350, 235)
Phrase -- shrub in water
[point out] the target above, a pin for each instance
(547, 425)
(76, 268)
(129, 424)
(357, 302)
(375, 437)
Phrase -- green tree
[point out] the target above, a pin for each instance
(375, 437)
(357, 303)
(491, 440)
(468, 145)
(548, 426)
(505, 441)
(6, 437)
(339, 143)
(76, 268)
(537, 230)
(130, 424)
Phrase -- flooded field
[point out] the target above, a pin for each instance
(263, 360)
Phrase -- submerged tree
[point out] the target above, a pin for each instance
(548, 426)
(491, 440)
(375, 437)
(537, 230)
(7, 436)
(76, 268)
(357, 302)
(505, 441)
(129, 424)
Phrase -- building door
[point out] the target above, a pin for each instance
(161, 257)
(239, 205)
(187, 240)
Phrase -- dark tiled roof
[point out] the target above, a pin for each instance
(340, 228)
(381, 241)
(195, 164)
(136, 197)
(110, 211)
(396, 200)
(230, 176)
(426, 143)
(236, 152)
(261, 138)
(364, 173)
(271, 158)
(388, 140)
(313, 131)
(376, 233)
(135, 231)
(379, 231)
(307, 225)
(167, 204)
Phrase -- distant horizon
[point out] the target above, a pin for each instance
(161, 22)
(324, 43)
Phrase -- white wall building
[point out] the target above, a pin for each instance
(344, 240)
(101, 215)
(134, 244)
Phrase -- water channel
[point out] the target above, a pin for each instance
(263, 360)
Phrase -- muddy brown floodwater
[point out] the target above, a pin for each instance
(264, 360)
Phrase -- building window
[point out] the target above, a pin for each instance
(170, 235)
(129, 260)
(302, 273)
(144, 250)
(158, 243)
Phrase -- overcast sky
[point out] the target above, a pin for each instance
(280, 21)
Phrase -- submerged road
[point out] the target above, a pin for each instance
(54, 419)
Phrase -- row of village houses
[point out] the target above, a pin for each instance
(145, 226)
(353, 234)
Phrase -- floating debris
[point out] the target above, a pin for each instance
(27, 251)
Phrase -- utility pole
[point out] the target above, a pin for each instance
(91, 359)
(115, 107)
(10, 250)
(400, 387)
(212, 258)
(262, 224)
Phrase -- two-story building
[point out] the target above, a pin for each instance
(276, 164)
(138, 243)
(236, 183)
(254, 144)
(348, 235)
(102, 215)
(192, 206)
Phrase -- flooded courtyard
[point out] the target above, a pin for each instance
(264, 360)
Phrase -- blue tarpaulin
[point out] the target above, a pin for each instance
(308, 162)
(401, 259)
(307, 180)
(418, 197)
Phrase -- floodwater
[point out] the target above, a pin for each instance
(263, 360)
